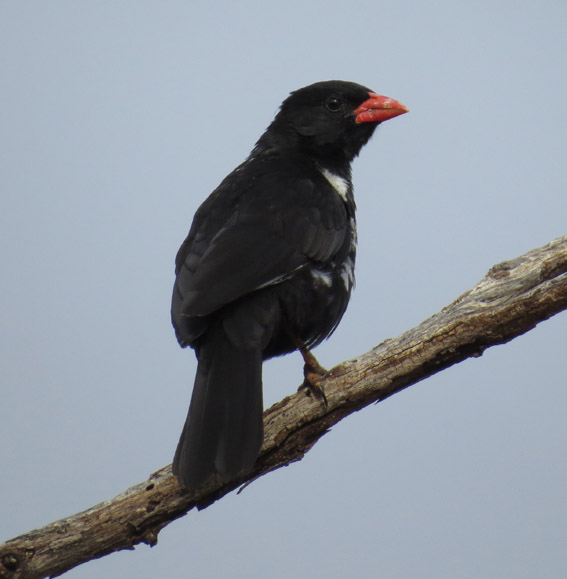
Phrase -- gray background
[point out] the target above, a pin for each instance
(119, 118)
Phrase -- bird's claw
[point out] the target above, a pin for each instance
(313, 389)
(313, 374)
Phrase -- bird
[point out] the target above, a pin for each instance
(268, 268)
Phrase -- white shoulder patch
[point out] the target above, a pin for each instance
(340, 185)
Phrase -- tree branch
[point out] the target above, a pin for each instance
(510, 300)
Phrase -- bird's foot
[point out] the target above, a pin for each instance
(313, 374)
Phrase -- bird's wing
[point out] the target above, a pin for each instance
(265, 240)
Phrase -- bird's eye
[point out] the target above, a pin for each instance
(334, 104)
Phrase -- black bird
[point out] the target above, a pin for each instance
(268, 268)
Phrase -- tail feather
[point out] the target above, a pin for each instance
(223, 431)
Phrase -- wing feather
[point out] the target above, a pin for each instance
(264, 240)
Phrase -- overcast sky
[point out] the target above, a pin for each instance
(119, 118)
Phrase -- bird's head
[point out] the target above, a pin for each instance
(332, 120)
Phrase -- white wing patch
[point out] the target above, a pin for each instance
(322, 277)
(347, 270)
(281, 278)
(340, 185)
(347, 274)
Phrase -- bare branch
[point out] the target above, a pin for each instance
(510, 300)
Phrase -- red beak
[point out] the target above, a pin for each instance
(378, 108)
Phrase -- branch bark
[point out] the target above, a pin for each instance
(510, 300)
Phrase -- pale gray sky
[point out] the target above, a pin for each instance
(118, 119)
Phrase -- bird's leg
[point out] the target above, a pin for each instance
(313, 372)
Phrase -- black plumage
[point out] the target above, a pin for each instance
(268, 265)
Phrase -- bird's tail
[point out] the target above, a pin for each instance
(223, 432)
